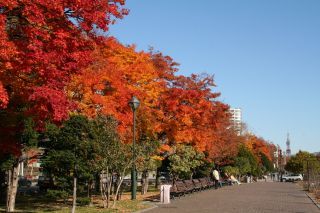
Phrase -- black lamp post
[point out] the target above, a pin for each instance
(134, 104)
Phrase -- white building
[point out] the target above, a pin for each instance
(236, 119)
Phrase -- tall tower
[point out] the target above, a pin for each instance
(288, 151)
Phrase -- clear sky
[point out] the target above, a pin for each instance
(265, 56)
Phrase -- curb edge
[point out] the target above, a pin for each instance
(313, 200)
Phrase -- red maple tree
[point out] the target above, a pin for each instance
(43, 43)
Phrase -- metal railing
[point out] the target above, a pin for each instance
(311, 176)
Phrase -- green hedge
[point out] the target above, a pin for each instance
(83, 201)
(57, 194)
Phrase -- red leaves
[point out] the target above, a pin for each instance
(3, 97)
(48, 101)
(43, 43)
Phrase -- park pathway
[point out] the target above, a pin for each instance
(247, 198)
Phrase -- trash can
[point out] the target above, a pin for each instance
(165, 194)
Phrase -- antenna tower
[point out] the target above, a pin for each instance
(288, 151)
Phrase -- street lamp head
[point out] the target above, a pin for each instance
(134, 103)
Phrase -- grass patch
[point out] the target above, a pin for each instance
(122, 206)
(42, 203)
(35, 204)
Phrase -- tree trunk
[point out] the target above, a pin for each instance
(105, 182)
(74, 203)
(120, 181)
(89, 191)
(113, 185)
(157, 183)
(174, 179)
(108, 187)
(88, 188)
(145, 182)
(3, 189)
(102, 190)
(117, 192)
(12, 187)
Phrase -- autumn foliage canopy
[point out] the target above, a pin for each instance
(55, 60)
(42, 44)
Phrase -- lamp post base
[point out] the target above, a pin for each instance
(133, 184)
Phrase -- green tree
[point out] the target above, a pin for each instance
(266, 163)
(298, 162)
(184, 161)
(69, 152)
(114, 159)
(147, 159)
(204, 170)
(231, 170)
(247, 162)
(13, 154)
(243, 165)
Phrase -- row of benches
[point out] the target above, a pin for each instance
(183, 187)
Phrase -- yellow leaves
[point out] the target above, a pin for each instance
(157, 158)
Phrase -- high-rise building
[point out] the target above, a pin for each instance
(288, 151)
(236, 119)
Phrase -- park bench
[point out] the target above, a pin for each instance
(225, 182)
(210, 182)
(183, 187)
(190, 186)
(178, 189)
(197, 184)
(204, 183)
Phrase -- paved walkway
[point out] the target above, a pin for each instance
(246, 198)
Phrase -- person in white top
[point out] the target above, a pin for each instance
(216, 177)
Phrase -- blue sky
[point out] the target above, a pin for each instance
(265, 56)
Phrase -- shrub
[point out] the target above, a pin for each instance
(83, 201)
(57, 194)
(230, 170)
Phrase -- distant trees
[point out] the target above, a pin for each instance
(298, 163)
(254, 156)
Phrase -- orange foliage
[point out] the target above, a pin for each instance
(177, 108)
(259, 145)
(190, 114)
(223, 150)
(173, 109)
(118, 73)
